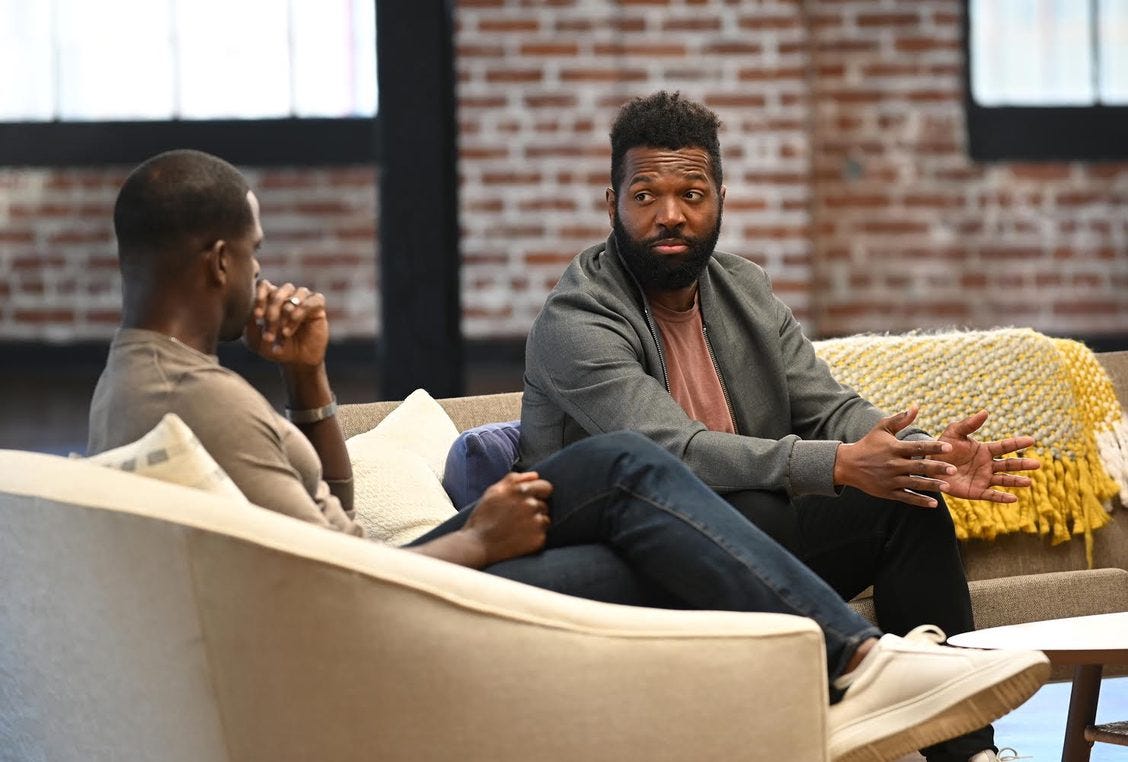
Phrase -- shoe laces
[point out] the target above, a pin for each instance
(927, 633)
(1007, 754)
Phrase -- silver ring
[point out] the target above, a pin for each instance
(294, 301)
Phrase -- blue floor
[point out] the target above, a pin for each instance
(1036, 729)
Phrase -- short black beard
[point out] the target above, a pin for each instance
(656, 272)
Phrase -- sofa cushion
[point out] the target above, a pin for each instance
(478, 458)
(397, 471)
(171, 453)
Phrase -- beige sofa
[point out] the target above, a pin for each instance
(1016, 578)
(141, 620)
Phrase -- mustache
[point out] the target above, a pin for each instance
(668, 238)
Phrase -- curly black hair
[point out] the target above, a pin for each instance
(664, 120)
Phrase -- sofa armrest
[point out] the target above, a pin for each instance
(165, 622)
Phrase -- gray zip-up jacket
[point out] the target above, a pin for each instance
(594, 363)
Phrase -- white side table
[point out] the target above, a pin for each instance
(1089, 642)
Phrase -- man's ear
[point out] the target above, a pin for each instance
(217, 259)
(723, 190)
(609, 195)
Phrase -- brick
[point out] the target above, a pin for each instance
(561, 258)
(882, 20)
(42, 316)
(647, 49)
(844, 46)
(601, 75)
(480, 51)
(925, 45)
(511, 178)
(16, 237)
(691, 24)
(932, 201)
(770, 74)
(893, 227)
(482, 152)
(1079, 198)
(550, 49)
(727, 100)
(547, 205)
(514, 75)
(486, 102)
(508, 25)
(734, 48)
(554, 101)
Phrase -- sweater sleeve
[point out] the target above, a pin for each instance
(267, 458)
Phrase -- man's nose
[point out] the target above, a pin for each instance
(670, 213)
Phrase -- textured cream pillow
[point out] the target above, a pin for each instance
(398, 470)
(171, 453)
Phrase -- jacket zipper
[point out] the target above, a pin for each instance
(717, 370)
(657, 344)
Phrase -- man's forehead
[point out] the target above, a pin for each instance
(643, 160)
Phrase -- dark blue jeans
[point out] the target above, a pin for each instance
(632, 524)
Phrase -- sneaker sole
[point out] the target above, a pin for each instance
(903, 730)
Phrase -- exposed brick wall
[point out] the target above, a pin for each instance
(58, 267)
(539, 84)
(844, 158)
(910, 232)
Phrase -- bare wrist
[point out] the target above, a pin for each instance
(307, 387)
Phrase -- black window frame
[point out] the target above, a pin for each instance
(1040, 133)
(254, 142)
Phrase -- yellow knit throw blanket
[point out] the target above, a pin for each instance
(1052, 389)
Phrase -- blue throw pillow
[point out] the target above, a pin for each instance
(478, 458)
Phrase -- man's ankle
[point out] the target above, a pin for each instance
(859, 655)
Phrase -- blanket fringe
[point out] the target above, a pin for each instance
(1053, 389)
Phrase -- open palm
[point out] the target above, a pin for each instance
(980, 466)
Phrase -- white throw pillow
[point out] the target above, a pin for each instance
(171, 453)
(398, 469)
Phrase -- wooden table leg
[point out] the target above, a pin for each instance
(1082, 712)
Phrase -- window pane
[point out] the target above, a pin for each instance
(191, 59)
(115, 59)
(1113, 15)
(334, 56)
(1031, 53)
(27, 61)
(234, 59)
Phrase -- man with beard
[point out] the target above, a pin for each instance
(610, 518)
(654, 331)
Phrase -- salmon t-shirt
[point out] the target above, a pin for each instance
(694, 382)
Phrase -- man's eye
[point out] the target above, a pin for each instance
(641, 197)
(694, 195)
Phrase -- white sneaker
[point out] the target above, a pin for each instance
(1005, 755)
(911, 692)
